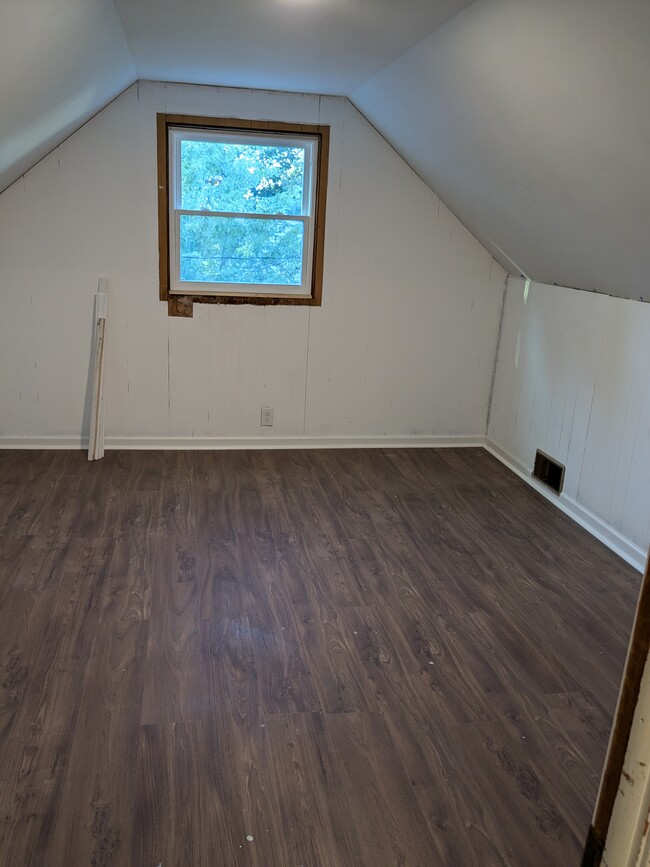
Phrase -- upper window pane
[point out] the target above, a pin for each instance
(243, 178)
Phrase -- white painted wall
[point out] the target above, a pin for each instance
(573, 379)
(403, 345)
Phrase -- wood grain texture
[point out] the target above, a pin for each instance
(358, 659)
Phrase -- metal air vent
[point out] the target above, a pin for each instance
(548, 471)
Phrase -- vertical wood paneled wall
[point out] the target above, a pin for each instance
(573, 379)
(404, 343)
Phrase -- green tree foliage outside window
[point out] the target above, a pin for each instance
(241, 178)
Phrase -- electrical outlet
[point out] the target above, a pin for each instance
(267, 416)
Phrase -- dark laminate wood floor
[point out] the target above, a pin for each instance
(355, 658)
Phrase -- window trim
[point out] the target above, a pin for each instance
(310, 145)
(181, 304)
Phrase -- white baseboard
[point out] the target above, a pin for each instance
(50, 442)
(629, 551)
(267, 442)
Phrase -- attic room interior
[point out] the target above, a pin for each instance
(324, 433)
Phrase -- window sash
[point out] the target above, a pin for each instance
(212, 288)
(184, 287)
(243, 215)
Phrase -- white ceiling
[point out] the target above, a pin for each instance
(63, 60)
(317, 46)
(530, 118)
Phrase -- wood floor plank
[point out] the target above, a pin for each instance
(331, 654)
(553, 731)
(502, 769)
(438, 690)
(287, 684)
(127, 595)
(450, 796)
(175, 805)
(228, 588)
(173, 650)
(357, 658)
(128, 589)
(41, 563)
(57, 660)
(286, 681)
(201, 774)
(389, 823)
(97, 799)
(24, 618)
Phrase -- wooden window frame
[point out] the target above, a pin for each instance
(637, 657)
(182, 305)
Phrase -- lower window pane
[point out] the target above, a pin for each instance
(240, 250)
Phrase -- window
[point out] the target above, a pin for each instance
(241, 211)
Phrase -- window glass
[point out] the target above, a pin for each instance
(240, 250)
(242, 178)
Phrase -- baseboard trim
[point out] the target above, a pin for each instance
(50, 442)
(268, 442)
(610, 537)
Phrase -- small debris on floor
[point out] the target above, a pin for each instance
(250, 838)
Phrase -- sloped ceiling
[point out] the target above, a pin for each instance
(530, 118)
(60, 61)
(63, 60)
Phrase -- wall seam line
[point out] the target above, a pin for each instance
(496, 354)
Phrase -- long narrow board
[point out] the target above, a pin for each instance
(96, 438)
